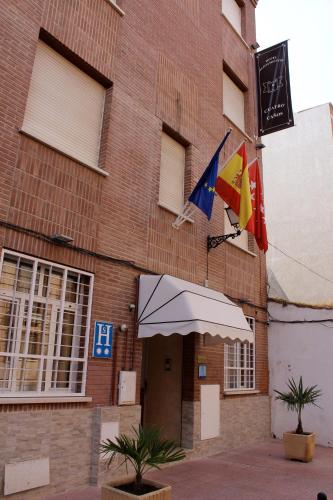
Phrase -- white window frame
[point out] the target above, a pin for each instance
(233, 12)
(66, 115)
(115, 5)
(163, 200)
(238, 367)
(26, 301)
(234, 102)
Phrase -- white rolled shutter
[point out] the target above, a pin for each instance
(172, 174)
(233, 13)
(233, 102)
(64, 107)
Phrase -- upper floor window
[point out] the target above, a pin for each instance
(233, 102)
(233, 12)
(64, 107)
(172, 174)
(44, 327)
(239, 364)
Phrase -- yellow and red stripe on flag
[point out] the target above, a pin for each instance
(232, 184)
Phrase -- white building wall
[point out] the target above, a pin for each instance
(298, 180)
(306, 349)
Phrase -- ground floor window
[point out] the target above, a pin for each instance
(239, 364)
(44, 327)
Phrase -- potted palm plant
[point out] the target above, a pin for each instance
(299, 445)
(144, 451)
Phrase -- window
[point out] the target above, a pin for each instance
(239, 364)
(233, 12)
(172, 174)
(64, 107)
(44, 327)
(233, 102)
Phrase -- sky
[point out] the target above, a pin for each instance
(308, 26)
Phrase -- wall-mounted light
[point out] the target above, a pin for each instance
(61, 238)
(215, 241)
(255, 45)
(131, 307)
(123, 328)
(233, 218)
(260, 145)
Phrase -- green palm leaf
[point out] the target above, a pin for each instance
(146, 450)
(298, 397)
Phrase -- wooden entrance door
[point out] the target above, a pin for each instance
(163, 384)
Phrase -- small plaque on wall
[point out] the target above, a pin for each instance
(102, 347)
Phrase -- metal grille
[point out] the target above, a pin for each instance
(239, 364)
(44, 327)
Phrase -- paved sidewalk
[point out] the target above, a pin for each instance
(257, 473)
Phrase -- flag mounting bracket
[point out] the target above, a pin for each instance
(215, 241)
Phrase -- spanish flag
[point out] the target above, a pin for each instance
(232, 184)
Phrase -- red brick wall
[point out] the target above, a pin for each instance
(165, 61)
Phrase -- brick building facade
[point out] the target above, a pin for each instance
(159, 66)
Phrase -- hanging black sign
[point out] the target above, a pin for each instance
(273, 88)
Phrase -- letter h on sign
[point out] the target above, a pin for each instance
(102, 340)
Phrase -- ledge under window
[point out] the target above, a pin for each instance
(238, 128)
(235, 31)
(240, 392)
(243, 249)
(44, 400)
(95, 169)
(116, 7)
(174, 211)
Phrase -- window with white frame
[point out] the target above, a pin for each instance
(233, 12)
(65, 106)
(233, 102)
(44, 327)
(172, 174)
(239, 364)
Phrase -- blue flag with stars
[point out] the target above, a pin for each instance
(204, 192)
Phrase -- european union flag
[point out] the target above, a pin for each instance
(204, 192)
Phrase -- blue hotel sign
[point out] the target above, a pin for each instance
(102, 347)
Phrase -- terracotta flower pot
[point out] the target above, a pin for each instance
(299, 446)
(110, 492)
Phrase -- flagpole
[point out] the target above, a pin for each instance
(191, 205)
(255, 159)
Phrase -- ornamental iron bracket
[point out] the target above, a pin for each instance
(215, 241)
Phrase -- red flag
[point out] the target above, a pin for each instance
(257, 220)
